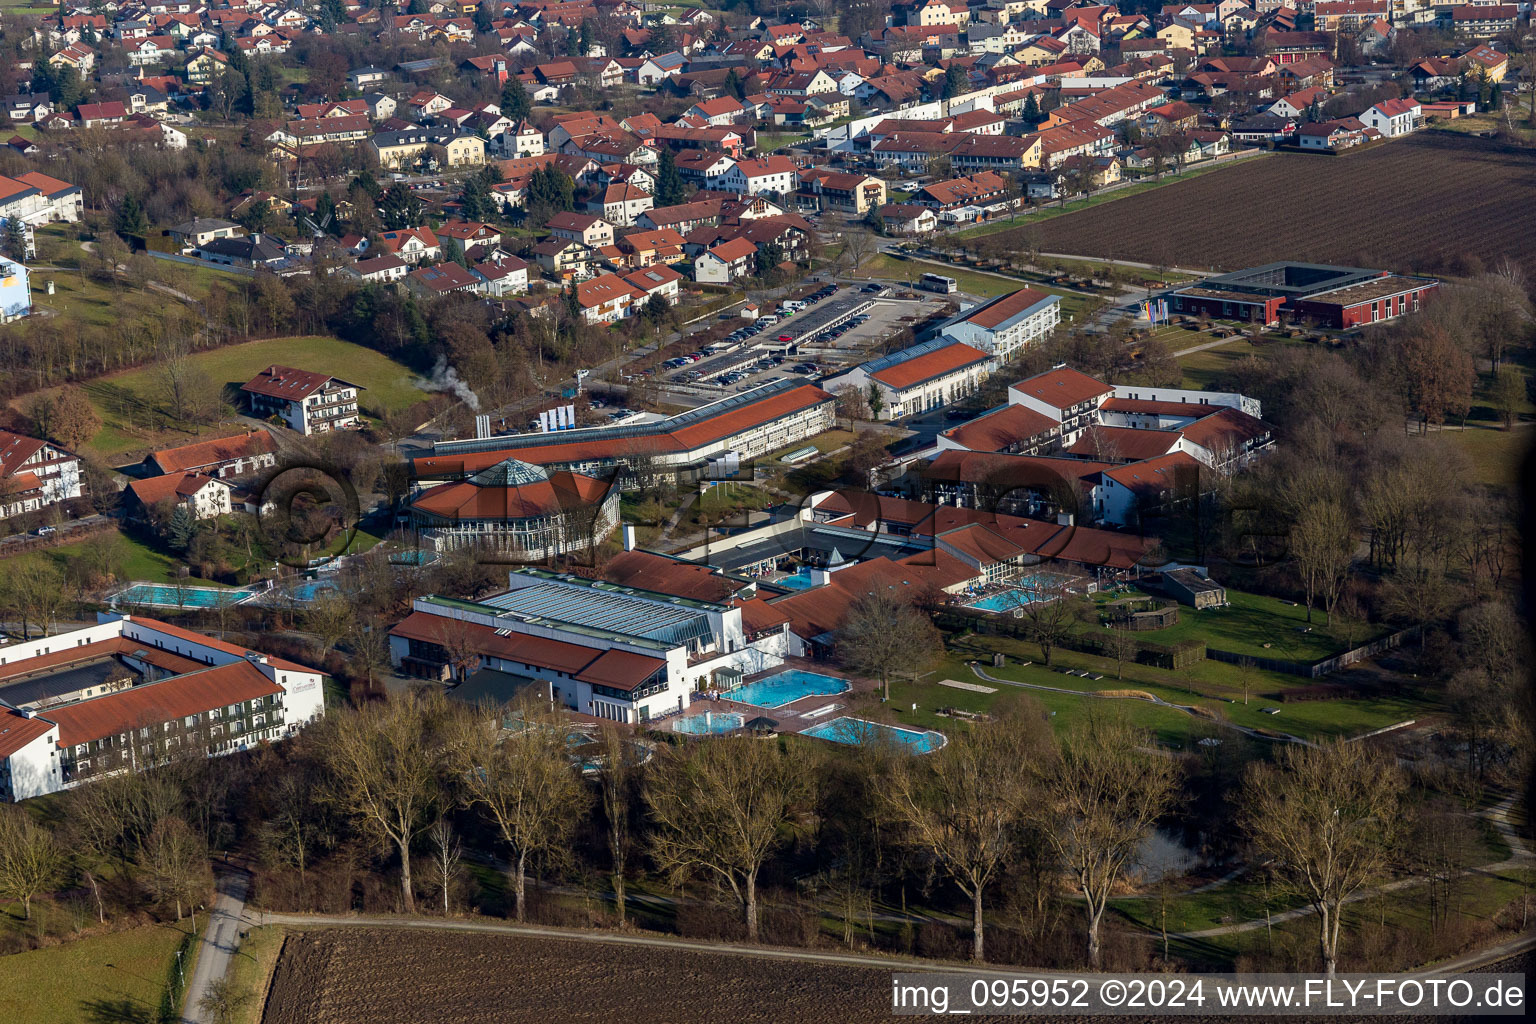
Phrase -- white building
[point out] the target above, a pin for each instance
(726, 262)
(131, 692)
(918, 378)
(15, 290)
(35, 474)
(1393, 118)
(1008, 323)
(776, 174)
(204, 496)
(310, 403)
(621, 653)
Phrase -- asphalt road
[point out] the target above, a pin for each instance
(221, 940)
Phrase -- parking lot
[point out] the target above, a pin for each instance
(837, 326)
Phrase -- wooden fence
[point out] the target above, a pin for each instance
(1314, 669)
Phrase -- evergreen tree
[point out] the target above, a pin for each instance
(16, 239)
(325, 215)
(180, 529)
(399, 207)
(587, 37)
(1031, 114)
(956, 82)
(514, 100)
(1496, 97)
(670, 189)
(734, 86)
(475, 201)
(368, 183)
(131, 221)
(768, 256)
(483, 18)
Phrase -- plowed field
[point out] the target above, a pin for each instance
(1421, 204)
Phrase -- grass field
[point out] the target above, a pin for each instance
(118, 977)
(1454, 177)
(767, 142)
(1264, 628)
(121, 399)
(251, 969)
(1497, 455)
(144, 563)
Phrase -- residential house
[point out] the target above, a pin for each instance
(412, 245)
(35, 474)
(306, 402)
(1394, 118)
(204, 496)
(726, 262)
(908, 219)
(585, 228)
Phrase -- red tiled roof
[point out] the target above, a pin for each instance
(163, 701)
(1153, 474)
(178, 633)
(1062, 388)
(202, 454)
(624, 670)
(1125, 443)
(999, 310)
(170, 486)
(17, 730)
(286, 382)
(949, 359)
(664, 575)
(997, 430)
(468, 500)
(688, 438)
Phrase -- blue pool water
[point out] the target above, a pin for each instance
(412, 557)
(784, 687)
(854, 731)
(1002, 601)
(799, 581)
(709, 722)
(160, 596)
(313, 589)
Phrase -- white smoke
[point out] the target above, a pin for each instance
(446, 378)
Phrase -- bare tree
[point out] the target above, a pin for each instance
(858, 246)
(721, 807)
(175, 860)
(1120, 645)
(618, 781)
(222, 1002)
(330, 617)
(1048, 608)
(524, 780)
(1323, 543)
(965, 803)
(31, 860)
(884, 636)
(447, 853)
(1102, 797)
(388, 762)
(1329, 816)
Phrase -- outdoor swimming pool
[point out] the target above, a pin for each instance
(799, 581)
(1003, 601)
(855, 731)
(158, 595)
(313, 589)
(710, 722)
(786, 687)
(412, 557)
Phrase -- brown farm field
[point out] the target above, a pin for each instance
(1400, 206)
(405, 976)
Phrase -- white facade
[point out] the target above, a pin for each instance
(1008, 324)
(1393, 124)
(754, 177)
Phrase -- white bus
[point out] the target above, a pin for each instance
(936, 283)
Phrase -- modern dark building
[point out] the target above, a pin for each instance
(1338, 297)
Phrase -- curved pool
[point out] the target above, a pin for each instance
(787, 687)
(858, 731)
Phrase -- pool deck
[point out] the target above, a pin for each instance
(791, 716)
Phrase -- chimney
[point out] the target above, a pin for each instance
(482, 427)
(629, 537)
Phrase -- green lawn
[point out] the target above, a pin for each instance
(144, 563)
(1263, 627)
(1496, 453)
(251, 969)
(130, 403)
(117, 977)
(1203, 369)
(767, 142)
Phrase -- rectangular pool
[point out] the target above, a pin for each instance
(787, 687)
(156, 595)
(799, 581)
(856, 731)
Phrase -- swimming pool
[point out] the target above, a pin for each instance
(313, 589)
(786, 687)
(1003, 601)
(855, 731)
(710, 722)
(412, 557)
(798, 581)
(162, 596)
